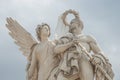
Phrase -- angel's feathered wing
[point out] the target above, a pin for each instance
(22, 38)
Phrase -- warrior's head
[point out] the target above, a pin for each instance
(75, 25)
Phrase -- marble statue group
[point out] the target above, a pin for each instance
(71, 56)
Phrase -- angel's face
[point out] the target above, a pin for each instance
(45, 31)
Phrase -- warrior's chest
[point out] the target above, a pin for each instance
(83, 40)
(85, 45)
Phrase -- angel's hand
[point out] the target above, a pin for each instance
(71, 43)
(76, 41)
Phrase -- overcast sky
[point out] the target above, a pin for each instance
(101, 19)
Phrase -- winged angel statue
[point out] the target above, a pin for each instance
(66, 58)
(41, 59)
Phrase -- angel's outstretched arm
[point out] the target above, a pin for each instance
(62, 47)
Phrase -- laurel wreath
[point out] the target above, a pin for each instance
(69, 12)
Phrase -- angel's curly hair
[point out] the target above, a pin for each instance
(39, 28)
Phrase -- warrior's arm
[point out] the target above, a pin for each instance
(33, 63)
(100, 58)
(94, 46)
(98, 53)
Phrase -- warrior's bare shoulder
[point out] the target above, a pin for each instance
(89, 38)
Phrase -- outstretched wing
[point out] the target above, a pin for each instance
(22, 38)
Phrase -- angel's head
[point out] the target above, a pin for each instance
(43, 30)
